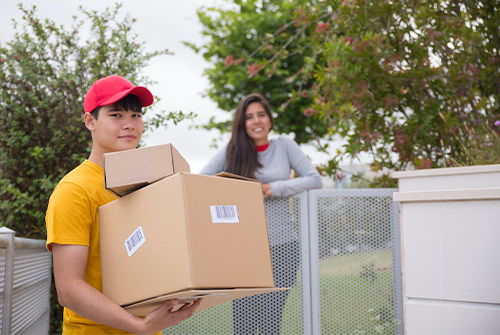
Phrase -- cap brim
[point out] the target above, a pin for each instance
(144, 95)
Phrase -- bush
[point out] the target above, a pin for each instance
(45, 71)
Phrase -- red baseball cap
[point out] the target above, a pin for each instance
(110, 89)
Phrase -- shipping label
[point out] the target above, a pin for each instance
(134, 241)
(225, 214)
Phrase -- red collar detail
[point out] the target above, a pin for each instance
(261, 148)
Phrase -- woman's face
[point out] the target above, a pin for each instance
(257, 123)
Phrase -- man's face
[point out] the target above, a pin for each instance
(116, 129)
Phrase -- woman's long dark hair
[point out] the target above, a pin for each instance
(241, 154)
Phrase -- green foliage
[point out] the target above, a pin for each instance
(399, 80)
(383, 322)
(393, 67)
(247, 49)
(45, 71)
(44, 74)
(479, 145)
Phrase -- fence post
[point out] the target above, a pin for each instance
(306, 263)
(396, 266)
(314, 270)
(7, 240)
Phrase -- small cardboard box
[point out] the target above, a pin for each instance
(129, 170)
(186, 234)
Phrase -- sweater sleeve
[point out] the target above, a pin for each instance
(309, 176)
(216, 164)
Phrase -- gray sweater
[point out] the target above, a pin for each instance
(277, 160)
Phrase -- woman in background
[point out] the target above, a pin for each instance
(250, 153)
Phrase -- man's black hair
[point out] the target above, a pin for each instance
(129, 102)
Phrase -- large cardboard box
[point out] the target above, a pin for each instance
(186, 234)
(129, 170)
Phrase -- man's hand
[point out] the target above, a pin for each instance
(77, 295)
(163, 317)
(266, 190)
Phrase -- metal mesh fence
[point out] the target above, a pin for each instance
(338, 252)
(279, 312)
(355, 262)
(270, 313)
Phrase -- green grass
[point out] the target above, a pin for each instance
(356, 293)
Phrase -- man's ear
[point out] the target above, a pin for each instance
(89, 121)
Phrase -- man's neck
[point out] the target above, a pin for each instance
(97, 158)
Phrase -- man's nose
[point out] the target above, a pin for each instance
(128, 123)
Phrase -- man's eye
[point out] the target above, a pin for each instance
(139, 115)
(115, 115)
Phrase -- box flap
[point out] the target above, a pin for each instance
(225, 174)
(210, 298)
(129, 170)
(179, 163)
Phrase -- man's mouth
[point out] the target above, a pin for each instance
(128, 137)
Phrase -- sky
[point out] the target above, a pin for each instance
(179, 77)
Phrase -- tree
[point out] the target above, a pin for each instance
(243, 41)
(45, 71)
(408, 81)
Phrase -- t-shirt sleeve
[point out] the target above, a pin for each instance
(69, 216)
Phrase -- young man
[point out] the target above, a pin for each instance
(113, 114)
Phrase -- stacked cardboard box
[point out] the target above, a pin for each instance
(127, 171)
(184, 236)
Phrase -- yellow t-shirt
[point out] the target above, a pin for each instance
(72, 218)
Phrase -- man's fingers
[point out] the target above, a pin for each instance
(169, 304)
(188, 305)
(192, 305)
(187, 310)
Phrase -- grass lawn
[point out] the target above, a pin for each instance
(356, 298)
(357, 294)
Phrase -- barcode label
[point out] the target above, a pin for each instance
(224, 214)
(134, 241)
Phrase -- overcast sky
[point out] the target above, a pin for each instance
(161, 24)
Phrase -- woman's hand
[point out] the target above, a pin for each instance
(266, 190)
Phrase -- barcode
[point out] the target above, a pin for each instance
(224, 214)
(134, 241)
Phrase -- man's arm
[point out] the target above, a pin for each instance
(75, 294)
